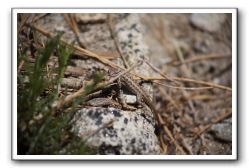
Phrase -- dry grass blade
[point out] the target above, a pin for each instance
(105, 55)
(24, 19)
(70, 98)
(168, 132)
(71, 20)
(109, 63)
(158, 71)
(183, 88)
(187, 80)
(169, 98)
(203, 83)
(185, 70)
(164, 147)
(20, 66)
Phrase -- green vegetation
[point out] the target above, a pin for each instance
(41, 128)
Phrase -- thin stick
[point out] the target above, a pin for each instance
(158, 71)
(169, 98)
(166, 129)
(203, 83)
(186, 71)
(23, 22)
(186, 146)
(20, 66)
(187, 80)
(126, 71)
(70, 19)
(164, 147)
(183, 88)
(168, 132)
(109, 63)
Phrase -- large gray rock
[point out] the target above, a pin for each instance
(114, 131)
(111, 130)
(210, 22)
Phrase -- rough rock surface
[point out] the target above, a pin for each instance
(113, 131)
(208, 21)
(132, 132)
(223, 131)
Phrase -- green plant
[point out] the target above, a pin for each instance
(40, 129)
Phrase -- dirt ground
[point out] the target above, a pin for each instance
(175, 39)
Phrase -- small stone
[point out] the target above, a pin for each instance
(130, 99)
(223, 131)
(210, 22)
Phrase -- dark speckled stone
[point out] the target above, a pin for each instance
(125, 120)
(116, 113)
(99, 120)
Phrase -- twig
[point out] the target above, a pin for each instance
(126, 71)
(70, 97)
(183, 88)
(186, 80)
(20, 66)
(202, 97)
(111, 64)
(186, 146)
(186, 71)
(168, 132)
(71, 20)
(203, 83)
(158, 71)
(169, 98)
(164, 147)
(23, 22)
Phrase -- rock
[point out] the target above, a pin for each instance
(210, 22)
(113, 131)
(129, 33)
(213, 147)
(223, 131)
